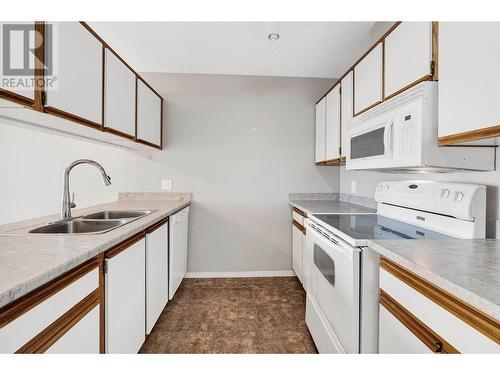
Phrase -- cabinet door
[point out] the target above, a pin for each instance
(177, 249)
(321, 131)
(297, 238)
(368, 80)
(82, 338)
(148, 115)
(333, 124)
(395, 338)
(346, 108)
(78, 68)
(14, 33)
(119, 96)
(469, 80)
(156, 274)
(125, 300)
(407, 55)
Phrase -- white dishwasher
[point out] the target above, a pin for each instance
(178, 245)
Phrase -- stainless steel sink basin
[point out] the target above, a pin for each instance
(118, 214)
(79, 226)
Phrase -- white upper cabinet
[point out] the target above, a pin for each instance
(321, 130)
(469, 81)
(368, 80)
(407, 55)
(119, 95)
(78, 68)
(148, 114)
(13, 34)
(333, 124)
(346, 109)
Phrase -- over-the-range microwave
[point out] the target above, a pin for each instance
(400, 134)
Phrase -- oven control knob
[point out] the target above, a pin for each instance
(445, 193)
(459, 196)
(386, 189)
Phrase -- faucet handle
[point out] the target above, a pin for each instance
(72, 203)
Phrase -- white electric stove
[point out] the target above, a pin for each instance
(341, 272)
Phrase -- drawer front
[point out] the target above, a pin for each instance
(462, 336)
(21, 330)
(82, 338)
(298, 217)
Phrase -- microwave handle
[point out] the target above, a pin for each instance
(389, 136)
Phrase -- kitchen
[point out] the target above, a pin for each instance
(190, 202)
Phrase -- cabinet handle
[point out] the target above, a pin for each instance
(426, 335)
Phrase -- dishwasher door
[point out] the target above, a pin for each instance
(178, 245)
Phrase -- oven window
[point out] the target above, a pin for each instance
(368, 144)
(324, 264)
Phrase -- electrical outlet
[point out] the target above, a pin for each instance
(353, 187)
(166, 185)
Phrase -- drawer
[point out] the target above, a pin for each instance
(27, 318)
(298, 216)
(454, 327)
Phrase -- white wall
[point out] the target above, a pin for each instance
(239, 144)
(366, 183)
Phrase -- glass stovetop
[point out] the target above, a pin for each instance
(372, 227)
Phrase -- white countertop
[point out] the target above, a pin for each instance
(28, 261)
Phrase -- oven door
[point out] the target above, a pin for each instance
(371, 143)
(333, 269)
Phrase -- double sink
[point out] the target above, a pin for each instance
(95, 223)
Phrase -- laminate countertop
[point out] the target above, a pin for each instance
(467, 269)
(28, 261)
(332, 204)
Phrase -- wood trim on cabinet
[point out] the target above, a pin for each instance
(119, 133)
(102, 305)
(435, 49)
(299, 227)
(367, 108)
(483, 323)
(25, 303)
(335, 162)
(17, 98)
(154, 227)
(72, 117)
(161, 123)
(103, 94)
(45, 339)
(148, 143)
(472, 135)
(414, 83)
(39, 93)
(299, 212)
(320, 163)
(424, 333)
(124, 245)
(382, 38)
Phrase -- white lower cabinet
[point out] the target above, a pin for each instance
(417, 317)
(156, 274)
(177, 250)
(297, 251)
(82, 338)
(125, 297)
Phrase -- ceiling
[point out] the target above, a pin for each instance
(305, 49)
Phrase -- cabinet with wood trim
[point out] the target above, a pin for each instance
(149, 115)
(408, 57)
(125, 296)
(332, 132)
(298, 238)
(469, 82)
(320, 131)
(419, 317)
(119, 96)
(62, 316)
(346, 110)
(368, 82)
(14, 34)
(79, 70)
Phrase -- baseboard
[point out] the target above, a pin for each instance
(203, 275)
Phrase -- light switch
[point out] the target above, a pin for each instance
(166, 184)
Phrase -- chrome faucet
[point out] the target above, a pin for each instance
(67, 203)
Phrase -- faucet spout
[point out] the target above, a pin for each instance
(67, 204)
